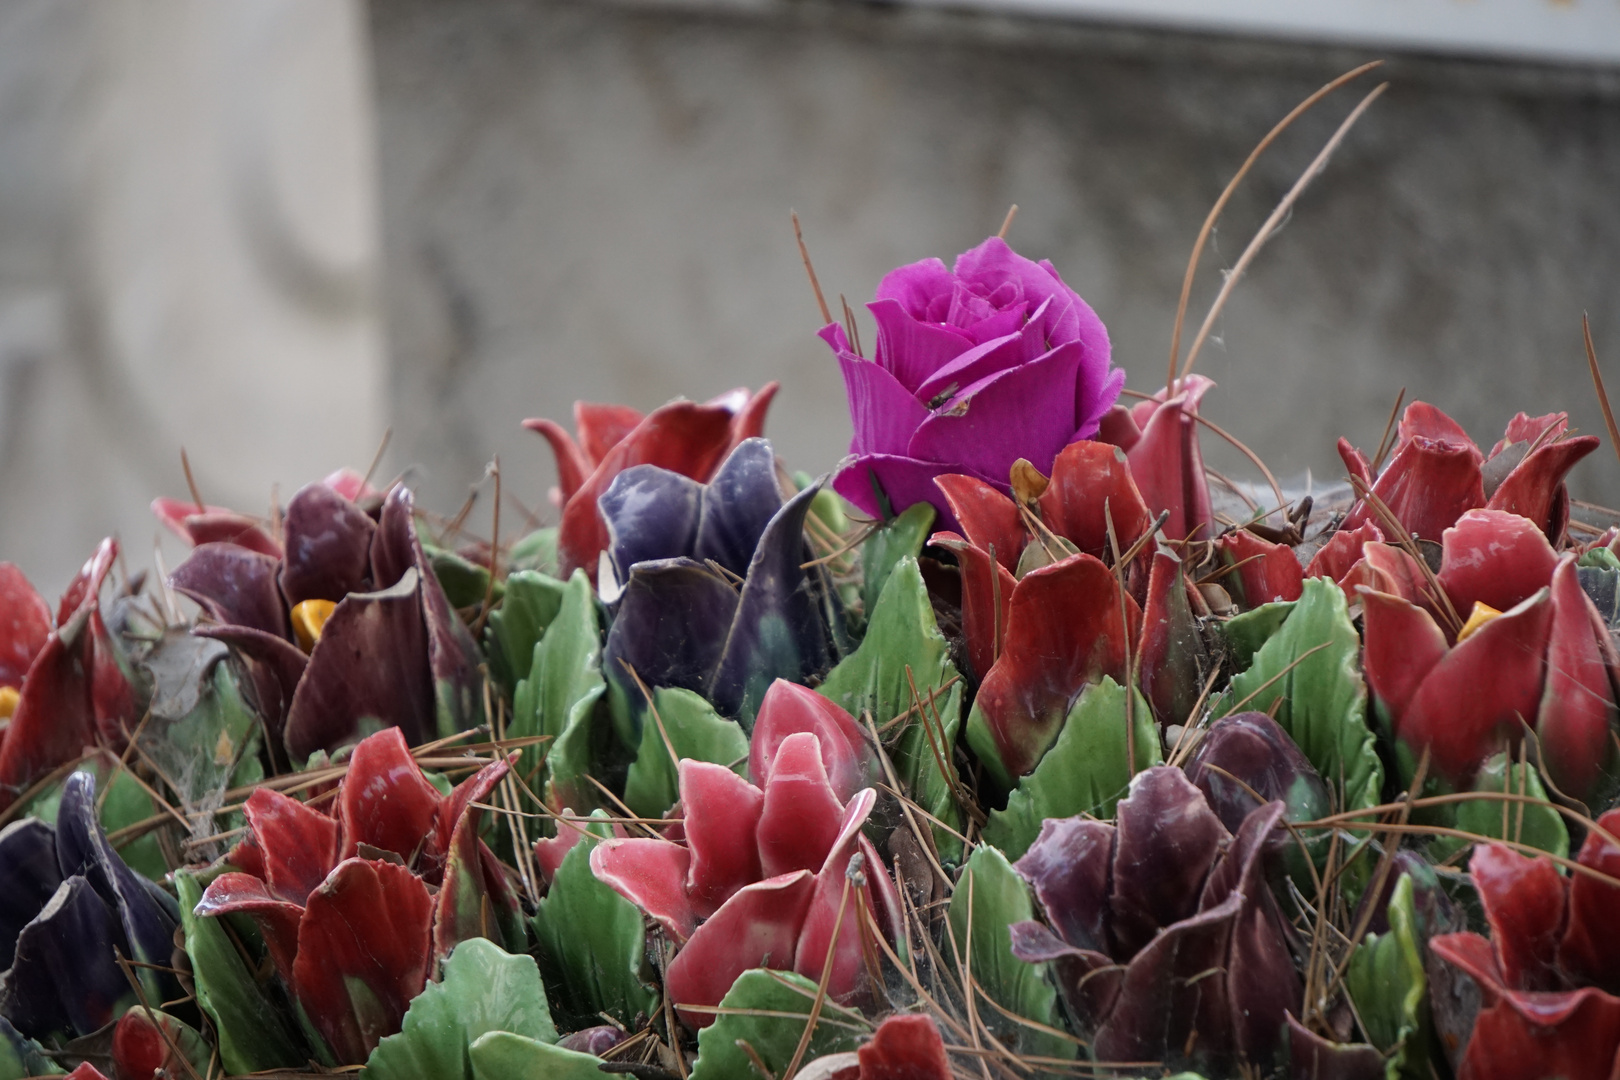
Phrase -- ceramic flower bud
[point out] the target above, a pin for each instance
(973, 368)
(1174, 660)
(73, 694)
(1262, 572)
(1162, 925)
(385, 647)
(1160, 438)
(760, 877)
(683, 437)
(788, 709)
(677, 552)
(1549, 974)
(345, 905)
(1246, 760)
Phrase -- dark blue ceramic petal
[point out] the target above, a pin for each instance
(739, 502)
(28, 877)
(370, 664)
(671, 626)
(235, 586)
(1167, 841)
(328, 546)
(1069, 865)
(1249, 754)
(65, 979)
(779, 631)
(453, 656)
(651, 513)
(82, 848)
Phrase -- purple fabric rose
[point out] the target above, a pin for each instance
(974, 369)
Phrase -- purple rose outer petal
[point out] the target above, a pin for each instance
(974, 366)
(29, 869)
(884, 412)
(905, 481)
(911, 350)
(1027, 412)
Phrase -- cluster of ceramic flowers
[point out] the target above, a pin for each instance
(1010, 743)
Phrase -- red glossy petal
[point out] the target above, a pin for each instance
(1171, 648)
(721, 813)
(1390, 569)
(385, 800)
(987, 592)
(1355, 462)
(1334, 559)
(788, 708)
(1091, 482)
(298, 845)
(85, 587)
(1577, 706)
(1524, 901)
(86, 1071)
(213, 523)
(652, 875)
(1527, 429)
(1427, 486)
(473, 899)
(549, 852)
(277, 919)
(848, 977)
(54, 722)
(1494, 557)
(905, 1048)
(748, 422)
(683, 437)
(1531, 489)
(25, 623)
(1477, 698)
(1591, 947)
(758, 927)
(1068, 625)
(1423, 419)
(1118, 428)
(1403, 645)
(363, 954)
(801, 814)
(602, 427)
(1169, 467)
(572, 464)
(351, 484)
(451, 812)
(1574, 1036)
(1265, 571)
(986, 515)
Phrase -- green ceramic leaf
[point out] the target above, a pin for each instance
(881, 553)
(773, 1038)
(1085, 771)
(531, 602)
(558, 698)
(981, 941)
(502, 1055)
(1539, 826)
(695, 731)
(22, 1057)
(1245, 633)
(902, 634)
(592, 942)
(482, 989)
(464, 582)
(254, 1032)
(1600, 558)
(1386, 982)
(537, 551)
(1321, 701)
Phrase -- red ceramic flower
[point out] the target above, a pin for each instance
(1161, 439)
(1263, 572)
(1436, 473)
(1533, 651)
(1550, 971)
(752, 876)
(683, 437)
(73, 695)
(345, 903)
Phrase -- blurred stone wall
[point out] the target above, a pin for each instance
(590, 200)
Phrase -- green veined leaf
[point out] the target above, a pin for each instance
(531, 601)
(1386, 982)
(559, 696)
(772, 1037)
(502, 1055)
(695, 731)
(1539, 826)
(882, 551)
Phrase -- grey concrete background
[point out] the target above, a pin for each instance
(590, 200)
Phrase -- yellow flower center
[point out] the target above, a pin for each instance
(1482, 614)
(9, 697)
(308, 619)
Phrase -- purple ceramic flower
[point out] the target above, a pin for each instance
(974, 368)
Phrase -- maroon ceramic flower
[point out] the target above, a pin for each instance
(973, 368)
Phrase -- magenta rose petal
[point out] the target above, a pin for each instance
(979, 363)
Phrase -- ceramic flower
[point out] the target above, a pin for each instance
(1549, 974)
(1161, 926)
(1531, 650)
(1160, 437)
(757, 880)
(1436, 474)
(710, 582)
(683, 437)
(349, 626)
(973, 368)
(353, 909)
